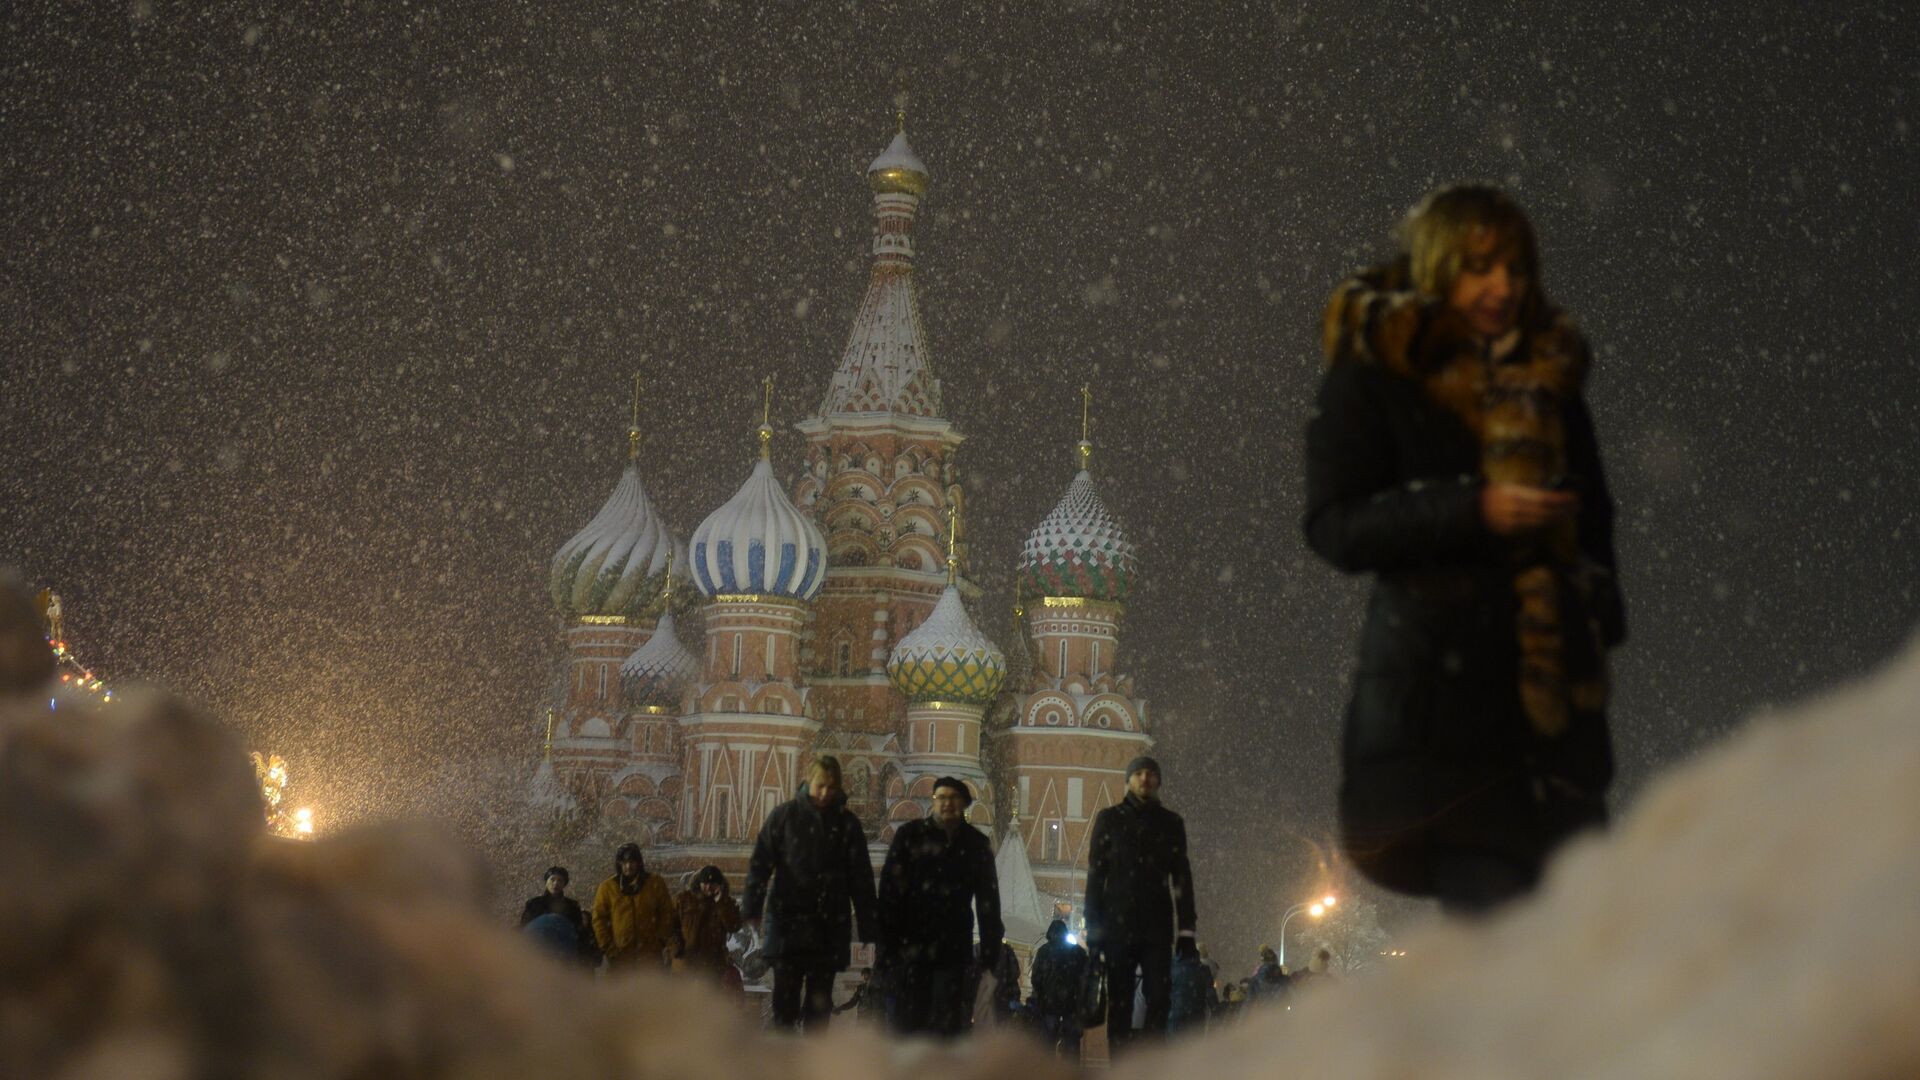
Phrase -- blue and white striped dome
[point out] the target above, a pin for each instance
(759, 543)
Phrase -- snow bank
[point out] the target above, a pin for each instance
(1754, 916)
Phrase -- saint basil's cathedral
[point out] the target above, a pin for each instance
(833, 620)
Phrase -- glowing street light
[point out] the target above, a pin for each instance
(303, 822)
(1315, 908)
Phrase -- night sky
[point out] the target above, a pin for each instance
(317, 332)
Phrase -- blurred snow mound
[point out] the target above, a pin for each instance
(155, 930)
(1756, 914)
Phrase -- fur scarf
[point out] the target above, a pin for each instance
(1514, 403)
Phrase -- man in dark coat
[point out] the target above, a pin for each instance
(809, 866)
(1139, 885)
(939, 877)
(1451, 455)
(1059, 969)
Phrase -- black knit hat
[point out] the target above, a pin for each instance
(559, 872)
(1143, 762)
(957, 784)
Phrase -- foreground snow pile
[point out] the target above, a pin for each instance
(1755, 915)
(154, 930)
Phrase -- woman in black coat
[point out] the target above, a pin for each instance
(1451, 455)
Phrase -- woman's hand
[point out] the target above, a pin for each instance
(1514, 508)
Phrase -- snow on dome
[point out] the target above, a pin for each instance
(759, 543)
(947, 659)
(547, 794)
(1078, 549)
(898, 169)
(658, 670)
(611, 566)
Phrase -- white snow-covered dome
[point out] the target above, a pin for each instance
(660, 669)
(614, 564)
(898, 169)
(759, 543)
(1078, 549)
(947, 658)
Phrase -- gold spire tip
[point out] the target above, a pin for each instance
(766, 417)
(953, 545)
(1085, 447)
(633, 425)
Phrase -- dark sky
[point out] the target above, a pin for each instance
(317, 329)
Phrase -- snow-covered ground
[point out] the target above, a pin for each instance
(1756, 914)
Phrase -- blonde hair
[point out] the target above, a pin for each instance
(1436, 232)
(826, 763)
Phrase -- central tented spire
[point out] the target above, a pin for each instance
(886, 368)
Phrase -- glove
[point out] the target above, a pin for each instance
(1186, 949)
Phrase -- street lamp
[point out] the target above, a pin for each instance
(1315, 908)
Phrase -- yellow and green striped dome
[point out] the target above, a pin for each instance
(947, 659)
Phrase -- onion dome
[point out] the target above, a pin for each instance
(898, 169)
(1078, 550)
(546, 794)
(947, 659)
(660, 669)
(614, 564)
(759, 543)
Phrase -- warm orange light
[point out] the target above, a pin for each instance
(1329, 901)
(1317, 910)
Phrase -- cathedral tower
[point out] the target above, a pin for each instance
(1075, 724)
(748, 737)
(949, 673)
(880, 478)
(609, 583)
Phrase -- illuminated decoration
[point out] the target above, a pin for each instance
(73, 674)
(270, 771)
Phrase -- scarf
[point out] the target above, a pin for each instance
(1514, 404)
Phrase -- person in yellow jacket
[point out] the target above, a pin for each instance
(634, 921)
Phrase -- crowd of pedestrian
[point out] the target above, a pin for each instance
(940, 965)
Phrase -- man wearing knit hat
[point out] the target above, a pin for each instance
(1139, 902)
(938, 876)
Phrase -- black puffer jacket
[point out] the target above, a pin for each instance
(930, 889)
(1138, 877)
(1437, 750)
(809, 867)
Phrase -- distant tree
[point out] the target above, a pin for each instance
(1351, 932)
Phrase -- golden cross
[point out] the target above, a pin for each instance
(1086, 425)
(633, 427)
(766, 418)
